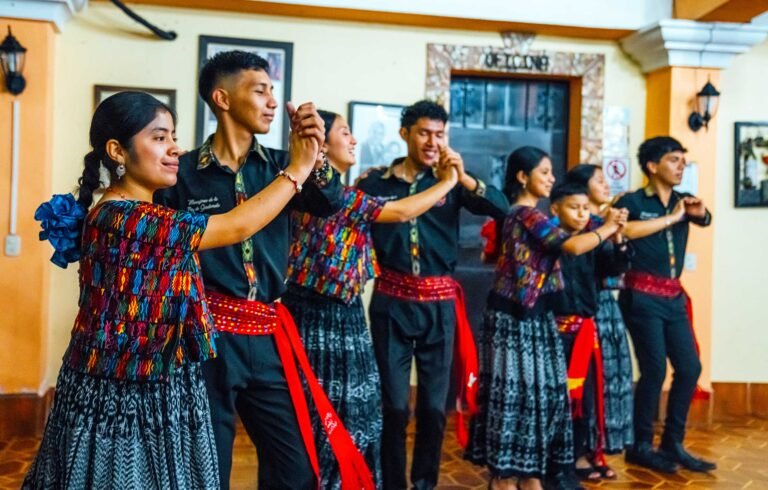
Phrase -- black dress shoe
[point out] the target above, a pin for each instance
(644, 455)
(677, 454)
(562, 480)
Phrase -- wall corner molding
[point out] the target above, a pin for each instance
(57, 12)
(687, 43)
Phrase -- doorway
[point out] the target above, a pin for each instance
(489, 118)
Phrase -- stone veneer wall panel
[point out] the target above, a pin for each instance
(443, 59)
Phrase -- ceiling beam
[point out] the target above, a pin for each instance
(719, 10)
(391, 18)
(737, 11)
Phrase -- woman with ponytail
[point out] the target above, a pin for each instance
(131, 409)
(523, 431)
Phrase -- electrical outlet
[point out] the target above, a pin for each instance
(12, 245)
(690, 262)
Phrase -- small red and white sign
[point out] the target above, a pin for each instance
(616, 170)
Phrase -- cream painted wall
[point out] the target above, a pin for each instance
(739, 326)
(334, 63)
(623, 14)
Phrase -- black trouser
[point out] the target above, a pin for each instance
(660, 329)
(402, 330)
(248, 378)
(588, 419)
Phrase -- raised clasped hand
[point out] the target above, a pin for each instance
(613, 219)
(449, 157)
(694, 207)
(304, 143)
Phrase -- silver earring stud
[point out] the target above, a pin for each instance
(120, 171)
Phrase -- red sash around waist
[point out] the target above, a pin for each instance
(242, 316)
(439, 288)
(666, 287)
(585, 347)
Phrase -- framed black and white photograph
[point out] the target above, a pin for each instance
(279, 55)
(377, 130)
(751, 164)
(164, 95)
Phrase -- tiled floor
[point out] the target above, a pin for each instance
(739, 446)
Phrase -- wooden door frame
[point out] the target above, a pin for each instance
(584, 72)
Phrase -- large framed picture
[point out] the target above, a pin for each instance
(279, 55)
(164, 95)
(751, 164)
(377, 130)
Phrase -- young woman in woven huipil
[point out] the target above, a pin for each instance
(131, 408)
(523, 432)
(331, 260)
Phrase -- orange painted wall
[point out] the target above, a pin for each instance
(670, 100)
(24, 281)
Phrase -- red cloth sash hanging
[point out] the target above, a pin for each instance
(257, 318)
(585, 347)
(440, 288)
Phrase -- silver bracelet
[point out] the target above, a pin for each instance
(480, 189)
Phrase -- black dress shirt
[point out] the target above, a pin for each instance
(437, 229)
(662, 253)
(206, 186)
(581, 277)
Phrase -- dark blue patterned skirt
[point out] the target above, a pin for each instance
(338, 345)
(617, 371)
(105, 433)
(524, 426)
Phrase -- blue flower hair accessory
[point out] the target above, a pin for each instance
(61, 219)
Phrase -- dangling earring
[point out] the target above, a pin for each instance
(120, 170)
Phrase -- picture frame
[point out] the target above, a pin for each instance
(750, 164)
(165, 95)
(280, 58)
(377, 129)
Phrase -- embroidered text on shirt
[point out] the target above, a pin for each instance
(202, 205)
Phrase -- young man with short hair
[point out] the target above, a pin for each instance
(414, 307)
(654, 304)
(255, 375)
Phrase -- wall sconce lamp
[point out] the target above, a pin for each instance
(12, 62)
(706, 104)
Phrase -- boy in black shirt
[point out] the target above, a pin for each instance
(574, 308)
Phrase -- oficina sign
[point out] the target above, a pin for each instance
(515, 62)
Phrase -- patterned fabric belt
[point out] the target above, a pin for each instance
(569, 324)
(241, 316)
(642, 282)
(406, 286)
(438, 288)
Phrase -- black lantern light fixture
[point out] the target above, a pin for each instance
(706, 107)
(12, 61)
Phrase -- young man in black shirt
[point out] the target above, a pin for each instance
(654, 303)
(413, 310)
(253, 375)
